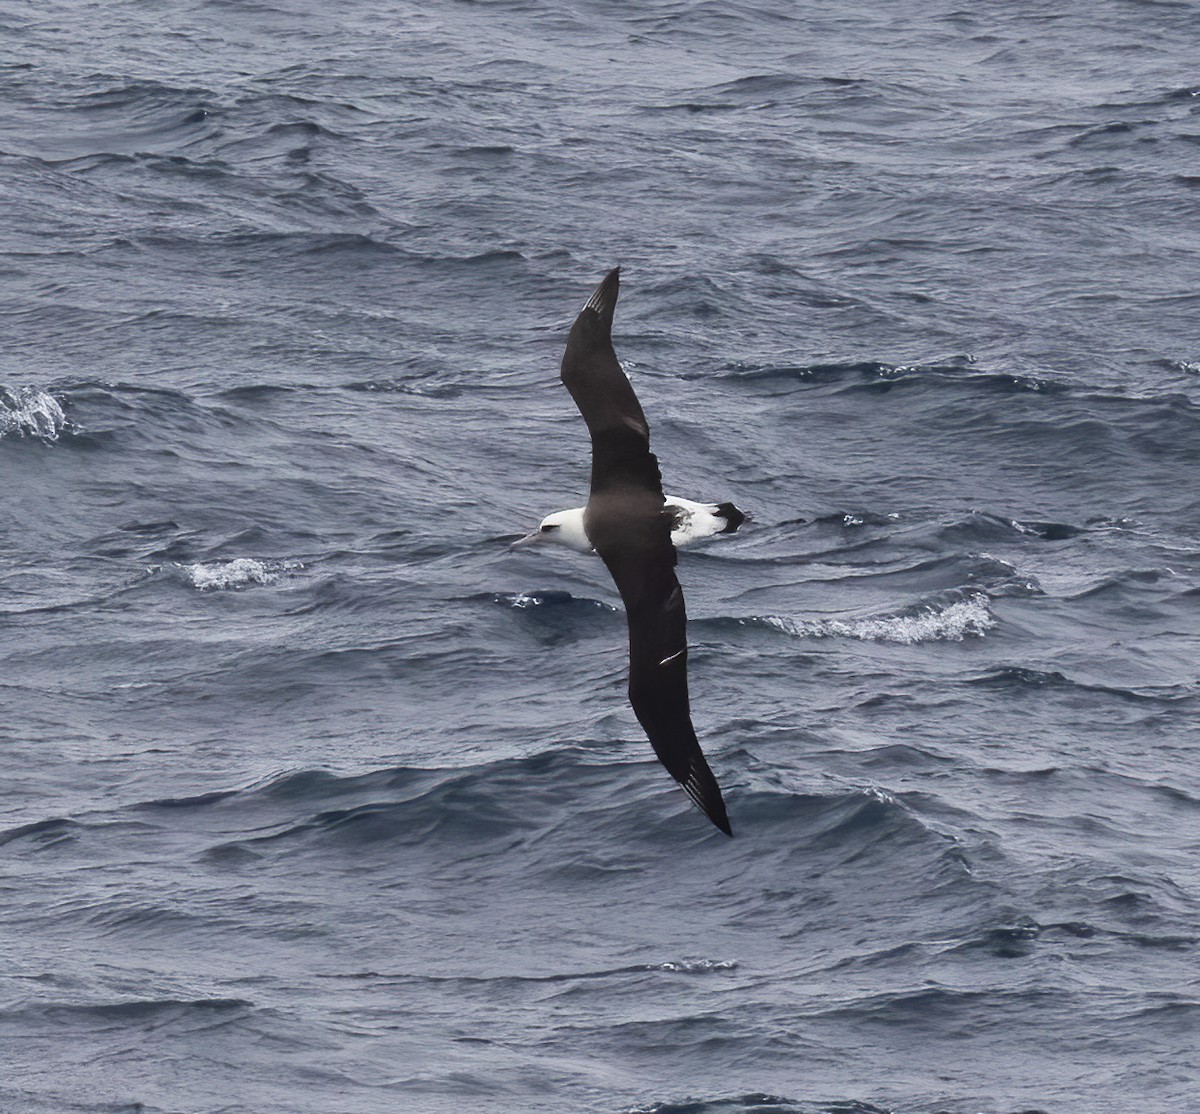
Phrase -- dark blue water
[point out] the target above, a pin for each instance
(316, 798)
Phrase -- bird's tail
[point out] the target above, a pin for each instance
(732, 516)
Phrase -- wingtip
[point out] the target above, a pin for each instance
(603, 301)
(719, 818)
(704, 791)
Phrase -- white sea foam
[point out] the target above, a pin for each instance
(932, 623)
(30, 411)
(237, 573)
(522, 601)
(697, 966)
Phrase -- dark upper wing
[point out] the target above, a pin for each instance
(590, 370)
(642, 562)
(605, 397)
(626, 524)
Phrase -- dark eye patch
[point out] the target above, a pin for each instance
(550, 526)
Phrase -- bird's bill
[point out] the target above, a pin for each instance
(528, 539)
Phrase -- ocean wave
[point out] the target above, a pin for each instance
(876, 375)
(43, 833)
(131, 119)
(755, 1102)
(548, 598)
(749, 373)
(31, 412)
(241, 572)
(933, 622)
(426, 384)
(694, 966)
(1166, 402)
(936, 1007)
(118, 413)
(29, 1103)
(670, 966)
(1125, 581)
(552, 616)
(472, 810)
(975, 525)
(480, 809)
(147, 92)
(758, 1102)
(985, 526)
(156, 1010)
(1023, 677)
(305, 243)
(1025, 935)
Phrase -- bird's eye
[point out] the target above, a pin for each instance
(549, 526)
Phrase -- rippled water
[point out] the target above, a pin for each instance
(319, 798)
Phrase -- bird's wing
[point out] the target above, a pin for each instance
(591, 372)
(626, 524)
(643, 567)
(606, 399)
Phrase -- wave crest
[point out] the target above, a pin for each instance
(927, 623)
(549, 597)
(30, 412)
(238, 573)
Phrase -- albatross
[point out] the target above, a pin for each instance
(628, 522)
(690, 522)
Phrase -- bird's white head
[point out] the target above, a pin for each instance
(561, 528)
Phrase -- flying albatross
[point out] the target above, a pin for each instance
(689, 522)
(626, 521)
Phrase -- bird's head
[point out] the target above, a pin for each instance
(560, 528)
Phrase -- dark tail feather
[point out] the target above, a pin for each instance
(732, 516)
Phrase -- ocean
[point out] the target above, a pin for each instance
(319, 798)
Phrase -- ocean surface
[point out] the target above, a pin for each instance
(319, 799)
